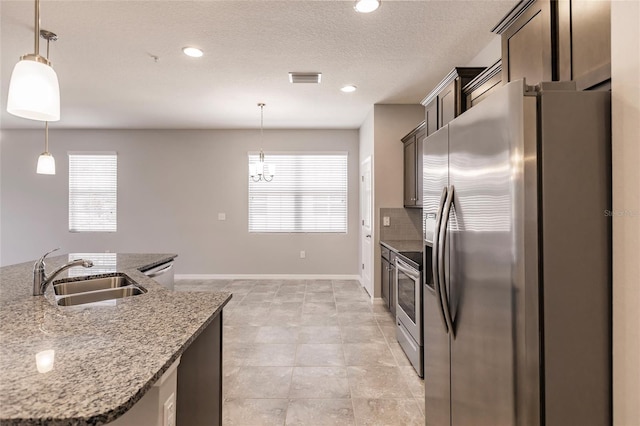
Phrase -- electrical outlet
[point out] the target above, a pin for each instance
(222, 216)
(303, 254)
(170, 411)
(386, 221)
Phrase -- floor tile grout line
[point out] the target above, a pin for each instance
(380, 320)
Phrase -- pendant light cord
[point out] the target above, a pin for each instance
(261, 125)
(36, 43)
(46, 123)
(46, 136)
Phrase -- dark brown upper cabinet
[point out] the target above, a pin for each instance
(584, 43)
(445, 102)
(557, 40)
(413, 165)
(431, 116)
(483, 85)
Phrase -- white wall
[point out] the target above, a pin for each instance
(625, 77)
(171, 186)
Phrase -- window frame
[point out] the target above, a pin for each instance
(252, 156)
(82, 228)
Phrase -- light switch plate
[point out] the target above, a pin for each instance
(386, 221)
(303, 254)
(222, 216)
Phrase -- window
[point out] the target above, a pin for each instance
(308, 194)
(103, 263)
(93, 181)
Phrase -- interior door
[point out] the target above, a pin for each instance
(366, 215)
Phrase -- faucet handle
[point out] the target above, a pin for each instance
(45, 255)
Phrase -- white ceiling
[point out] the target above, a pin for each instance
(108, 78)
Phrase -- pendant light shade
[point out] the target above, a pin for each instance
(34, 92)
(46, 164)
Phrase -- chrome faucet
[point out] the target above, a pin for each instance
(40, 279)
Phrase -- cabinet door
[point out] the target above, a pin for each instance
(526, 46)
(584, 42)
(447, 104)
(420, 136)
(431, 116)
(410, 173)
(480, 93)
(384, 274)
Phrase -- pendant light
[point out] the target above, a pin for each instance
(261, 171)
(34, 92)
(46, 162)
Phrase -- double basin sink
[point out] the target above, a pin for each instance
(104, 290)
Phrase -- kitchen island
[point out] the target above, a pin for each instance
(106, 357)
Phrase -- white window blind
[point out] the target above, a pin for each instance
(93, 182)
(308, 194)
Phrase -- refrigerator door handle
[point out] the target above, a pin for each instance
(442, 244)
(435, 257)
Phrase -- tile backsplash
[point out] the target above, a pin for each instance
(404, 224)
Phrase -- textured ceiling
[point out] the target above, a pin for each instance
(108, 78)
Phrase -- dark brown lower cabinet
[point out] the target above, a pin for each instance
(388, 276)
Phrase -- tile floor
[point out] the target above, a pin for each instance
(311, 352)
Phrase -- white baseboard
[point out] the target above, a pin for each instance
(266, 277)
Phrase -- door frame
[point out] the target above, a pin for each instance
(367, 277)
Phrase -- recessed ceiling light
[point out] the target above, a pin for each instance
(194, 52)
(348, 88)
(366, 6)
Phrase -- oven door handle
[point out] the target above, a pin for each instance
(435, 257)
(407, 269)
(442, 245)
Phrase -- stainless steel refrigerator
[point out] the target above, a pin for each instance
(517, 327)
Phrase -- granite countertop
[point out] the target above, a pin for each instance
(106, 357)
(400, 246)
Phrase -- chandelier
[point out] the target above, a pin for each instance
(259, 170)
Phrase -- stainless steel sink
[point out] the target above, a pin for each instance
(100, 296)
(71, 286)
(97, 291)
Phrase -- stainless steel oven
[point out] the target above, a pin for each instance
(409, 310)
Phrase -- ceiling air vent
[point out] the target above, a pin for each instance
(305, 77)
